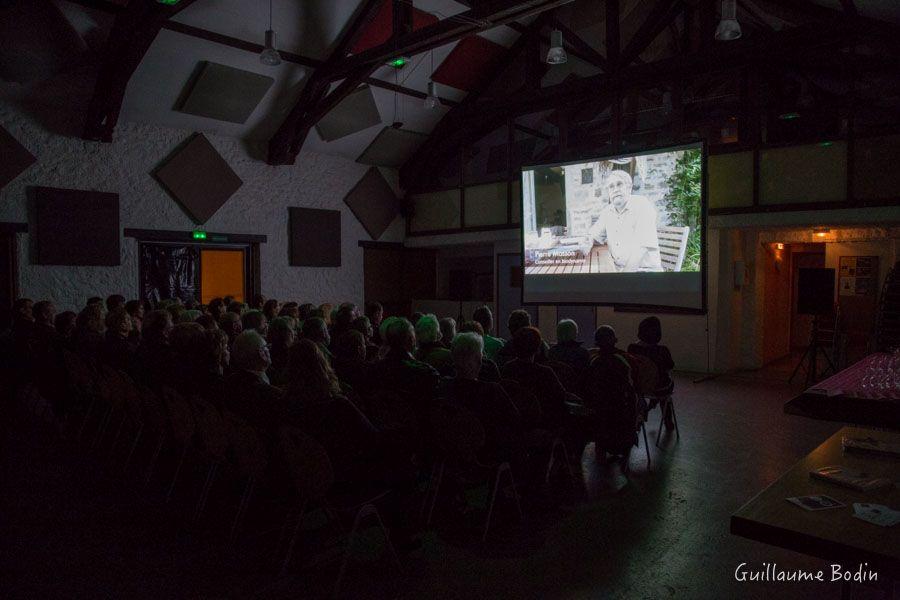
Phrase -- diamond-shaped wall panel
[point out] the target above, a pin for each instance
(352, 114)
(373, 203)
(392, 148)
(16, 158)
(470, 62)
(378, 31)
(198, 177)
(225, 93)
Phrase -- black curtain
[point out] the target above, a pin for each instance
(169, 272)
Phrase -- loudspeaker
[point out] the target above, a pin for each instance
(462, 285)
(815, 291)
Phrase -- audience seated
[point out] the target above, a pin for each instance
(89, 332)
(248, 392)
(364, 326)
(65, 327)
(153, 352)
(195, 362)
(315, 329)
(649, 336)
(119, 348)
(517, 320)
(568, 349)
(375, 313)
(114, 303)
(487, 400)
(281, 337)
(430, 349)
(216, 308)
(492, 345)
(448, 331)
(290, 309)
(526, 344)
(609, 392)
(271, 309)
(255, 320)
(351, 364)
(399, 370)
(135, 308)
(231, 324)
(489, 369)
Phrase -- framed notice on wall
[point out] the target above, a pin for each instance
(858, 276)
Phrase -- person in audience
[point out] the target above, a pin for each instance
(216, 308)
(315, 329)
(191, 304)
(189, 316)
(44, 343)
(489, 369)
(430, 350)
(315, 402)
(191, 362)
(448, 331)
(567, 348)
(230, 323)
(492, 345)
(89, 332)
(135, 309)
(248, 393)
(526, 343)
(517, 320)
(220, 356)
(648, 345)
(290, 309)
(119, 348)
(305, 311)
(344, 317)
(325, 310)
(375, 312)
(281, 337)
(257, 302)
(236, 307)
(65, 327)
(399, 370)
(415, 317)
(114, 302)
(256, 320)
(364, 326)
(350, 362)
(94, 300)
(609, 392)
(207, 321)
(154, 357)
(175, 308)
(271, 309)
(488, 401)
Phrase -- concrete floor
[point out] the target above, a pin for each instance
(70, 530)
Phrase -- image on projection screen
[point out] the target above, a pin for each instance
(623, 230)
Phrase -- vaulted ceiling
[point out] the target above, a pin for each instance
(137, 61)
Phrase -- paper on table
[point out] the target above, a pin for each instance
(878, 514)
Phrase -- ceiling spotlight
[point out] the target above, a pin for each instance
(821, 231)
(269, 56)
(557, 54)
(431, 101)
(729, 29)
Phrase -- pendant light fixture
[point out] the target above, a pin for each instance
(557, 53)
(269, 56)
(729, 29)
(431, 100)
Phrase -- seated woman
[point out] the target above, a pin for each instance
(119, 347)
(526, 346)
(649, 336)
(281, 335)
(608, 391)
(430, 349)
(567, 348)
(364, 326)
(350, 363)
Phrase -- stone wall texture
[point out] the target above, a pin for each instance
(125, 167)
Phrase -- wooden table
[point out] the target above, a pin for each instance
(837, 399)
(834, 534)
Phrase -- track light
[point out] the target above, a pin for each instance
(269, 56)
(557, 53)
(729, 29)
(431, 101)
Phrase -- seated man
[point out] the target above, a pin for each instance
(608, 391)
(431, 350)
(627, 226)
(567, 348)
(649, 336)
(499, 416)
(536, 377)
(517, 320)
(315, 329)
(248, 393)
(492, 345)
(399, 370)
(489, 369)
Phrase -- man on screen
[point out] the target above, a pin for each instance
(627, 225)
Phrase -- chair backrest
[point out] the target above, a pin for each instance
(306, 462)
(246, 450)
(211, 433)
(566, 374)
(181, 417)
(457, 432)
(525, 401)
(672, 246)
(645, 376)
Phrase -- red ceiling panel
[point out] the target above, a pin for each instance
(378, 31)
(469, 63)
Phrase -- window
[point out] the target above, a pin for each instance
(587, 176)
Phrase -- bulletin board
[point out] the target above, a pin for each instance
(858, 298)
(858, 276)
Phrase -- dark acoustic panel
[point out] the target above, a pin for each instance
(378, 30)
(354, 113)
(373, 203)
(315, 237)
(392, 148)
(76, 227)
(470, 62)
(198, 178)
(225, 93)
(16, 158)
(38, 41)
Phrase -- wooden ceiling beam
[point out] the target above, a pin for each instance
(613, 32)
(133, 31)
(579, 47)
(660, 16)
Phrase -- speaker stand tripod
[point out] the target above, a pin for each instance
(810, 359)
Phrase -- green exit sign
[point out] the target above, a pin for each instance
(169, 2)
(198, 234)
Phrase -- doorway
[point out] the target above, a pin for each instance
(8, 266)
(194, 272)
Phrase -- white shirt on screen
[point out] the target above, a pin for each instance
(630, 235)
